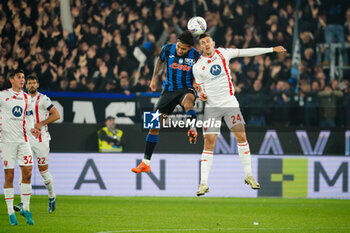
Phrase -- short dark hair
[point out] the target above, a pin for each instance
(14, 72)
(32, 77)
(204, 35)
(186, 38)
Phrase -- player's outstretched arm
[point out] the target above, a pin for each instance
(279, 49)
(259, 51)
(157, 68)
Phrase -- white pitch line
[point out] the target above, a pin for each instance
(221, 229)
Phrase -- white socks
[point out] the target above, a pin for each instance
(48, 182)
(26, 191)
(9, 196)
(146, 161)
(206, 162)
(244, 155)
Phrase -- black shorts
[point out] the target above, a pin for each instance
(169, 99)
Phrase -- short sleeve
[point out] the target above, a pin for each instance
(162, 54)
(47, 103)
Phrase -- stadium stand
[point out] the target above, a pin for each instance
(114, 43)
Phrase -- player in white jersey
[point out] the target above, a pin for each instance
(213, 77)
(16, 123)
(44, 113)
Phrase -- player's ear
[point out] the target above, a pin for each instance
(213, 43)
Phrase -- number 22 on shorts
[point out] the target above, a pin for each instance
(235, 119)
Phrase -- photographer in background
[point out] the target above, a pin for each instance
(109, 137)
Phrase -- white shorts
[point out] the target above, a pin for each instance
(15, 151)
(232, 117)
(41, 151)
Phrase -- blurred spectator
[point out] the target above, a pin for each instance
(109, 137)
(280, 103)
(328, 102)
(3, 83)
(256, 99)
(113, 44)
(335, 17)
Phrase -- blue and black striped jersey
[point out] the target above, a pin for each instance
(178, 69)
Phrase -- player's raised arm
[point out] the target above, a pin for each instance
(259, 51)
(157, 68)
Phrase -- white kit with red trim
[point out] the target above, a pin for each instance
(41, 105)
(15, 116)
(213, 74)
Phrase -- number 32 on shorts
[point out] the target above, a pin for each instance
(28, 159)
(236, 118)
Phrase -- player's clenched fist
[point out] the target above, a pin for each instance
(35, 132)
(153, 85)
(203, 96)
(279, 49)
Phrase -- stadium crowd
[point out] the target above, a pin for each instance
(114, 43)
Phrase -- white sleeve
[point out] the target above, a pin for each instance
(229, 53)
(253, 52)
(47, 103)
(196, 74)
(29, 116)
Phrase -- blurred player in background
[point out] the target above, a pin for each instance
(44, 113)
(16, 120)
(177, 89)
(213, 78)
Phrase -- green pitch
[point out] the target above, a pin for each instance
(166, 214)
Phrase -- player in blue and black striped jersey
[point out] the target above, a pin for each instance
(178, 88)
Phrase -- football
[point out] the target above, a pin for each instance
(197, 25)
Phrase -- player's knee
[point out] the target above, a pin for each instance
(9, 176)
(26, 176)
(43, 168)
(188, 105)
(209, 143)
(241, 137)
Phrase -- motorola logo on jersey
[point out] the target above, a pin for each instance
(215, 70)
(17, 111)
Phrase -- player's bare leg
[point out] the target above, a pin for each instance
(206, 162)
(26, 192)
(48, 182)
(151, 142)
(244, 154)
(188, 104)
(9, 195)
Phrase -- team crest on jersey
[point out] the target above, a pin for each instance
(17, 111)
(189, 61)
(5, 163)
(215, 70)
(181, 61)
